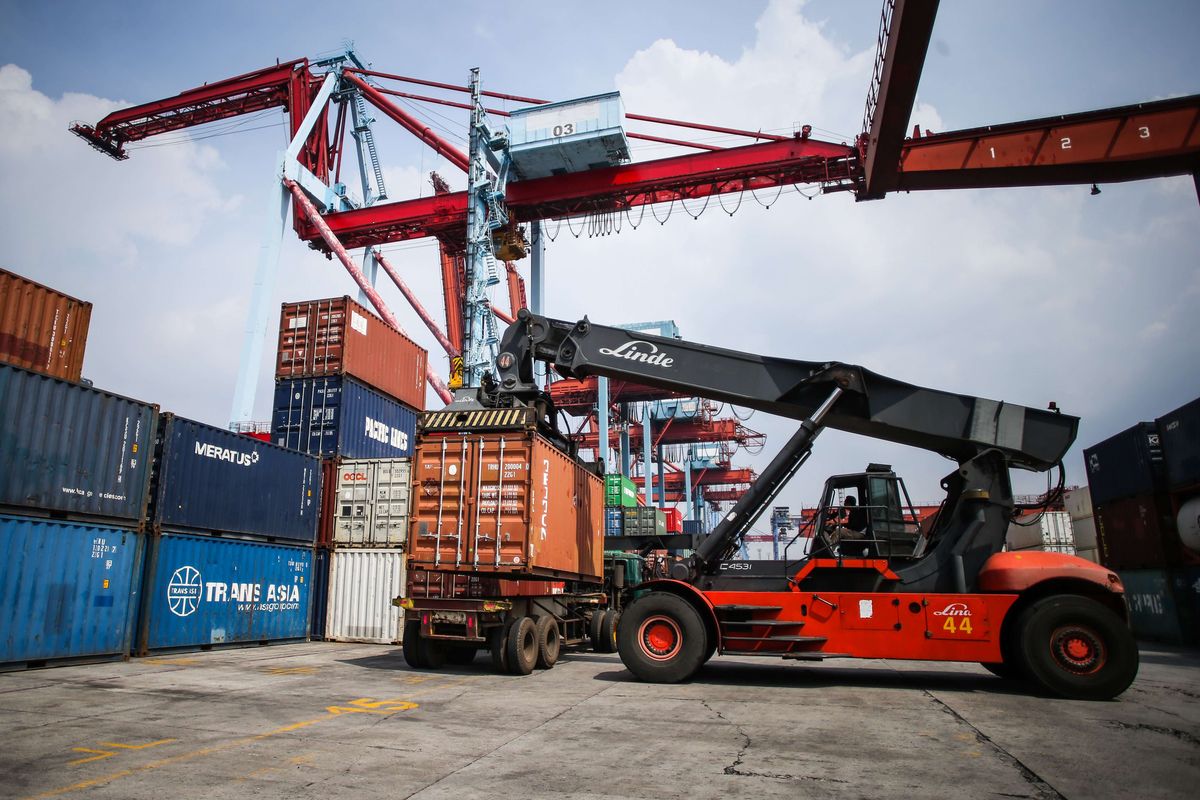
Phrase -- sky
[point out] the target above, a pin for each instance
(1027, 295)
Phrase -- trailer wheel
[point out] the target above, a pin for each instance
(411, 644)
(432, 652)
(549, 643)
(1075, 647)
(608, 630)
(522, 646)
(594, 631)
(661, 638)
(498, 645)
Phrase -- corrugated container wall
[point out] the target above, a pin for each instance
(73, 449)
(1136, 533)
(320, 594)
(1153, 612)
(1078, 502)
(212, 480)
(1051, 531)
(1125, 465)
(203, 591)
(540, 514)
(67, 590)
(341, 417)
(362, 584)
(1180, 437)
(365, 502)
(42, 329)
(337, 336)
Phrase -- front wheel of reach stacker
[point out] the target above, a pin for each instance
(661, 638)
(1078, 648)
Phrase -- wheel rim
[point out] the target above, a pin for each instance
(660, 637)
(1078, 649)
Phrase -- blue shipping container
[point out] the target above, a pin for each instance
(320, 594)
(203, 591)
(210, 479)
(1153, 612)
(67, 590)
(70, 448)
(338, 416)
(1127, 464)
(613, 522)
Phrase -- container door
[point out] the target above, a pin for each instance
(353, 494)
(443, 481)
(501, 514)
(389, 518)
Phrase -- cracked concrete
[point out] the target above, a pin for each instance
(330, 720)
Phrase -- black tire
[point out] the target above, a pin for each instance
(1075, 647)
(411, 644)
(594, 631)
(549, 641)
(432, 652)
(661, 638)
(498, 645)
(460, 655)
(522, 646)
(608, 630)
(710, 648)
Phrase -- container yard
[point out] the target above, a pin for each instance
(442, 465)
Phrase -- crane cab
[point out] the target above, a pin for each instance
(866, 515)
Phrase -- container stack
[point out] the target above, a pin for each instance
(234, 521)
(1137, 534)
(74, 478)
(348, 390)
(1048, 531)
(1180, 432)
(619, 493)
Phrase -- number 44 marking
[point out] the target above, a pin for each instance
(958, 625)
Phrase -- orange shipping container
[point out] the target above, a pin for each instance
(42, 329)
(337, 336)
(546, 524)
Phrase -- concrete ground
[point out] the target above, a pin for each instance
(338, 720)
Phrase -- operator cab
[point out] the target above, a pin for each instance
(865, 515)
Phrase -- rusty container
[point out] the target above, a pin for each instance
(42, 329)
(337, 336)
(547, 523)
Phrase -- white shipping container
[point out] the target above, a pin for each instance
(372, 503)
(1085, 533)
(1078, 502)
(1089, 553)
(1052, 533)
(362, 584)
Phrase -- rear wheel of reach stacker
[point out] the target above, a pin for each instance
(549, 642)
(522, 646)
(662, 639)
(1076, 647)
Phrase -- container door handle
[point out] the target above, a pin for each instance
(462, 499)
(478, 501)
(437, 546)
(499, 498)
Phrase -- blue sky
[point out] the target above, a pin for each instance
(1027, 295)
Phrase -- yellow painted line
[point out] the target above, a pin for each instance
(290, 670)
(361, 705)
(138, 746)
(102, 754)
(171, 662)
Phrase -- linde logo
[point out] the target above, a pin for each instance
(225, 454)
(954, 610)
(382, 432)
(630, 352)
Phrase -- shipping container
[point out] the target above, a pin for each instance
(42, 329)
(1180, 437)
(1137, 533)
(693, 527)
(644, 521)
(613, 521)
(362, 585)
(1185, 584)
(73, 450)
(1125, 465)
(673, 519)
(67, 590)
(366, 502)
(208, 479)
(1084, 531)
(341, 417)
(619, 491)
(337, 336)
(1078, 502)
(1153, 612)
(1050, 531)
(203, 591)
(540, 514)
(320, 594)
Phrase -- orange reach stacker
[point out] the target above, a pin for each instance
(948, 593)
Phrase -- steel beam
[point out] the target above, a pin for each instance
(907, 41)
